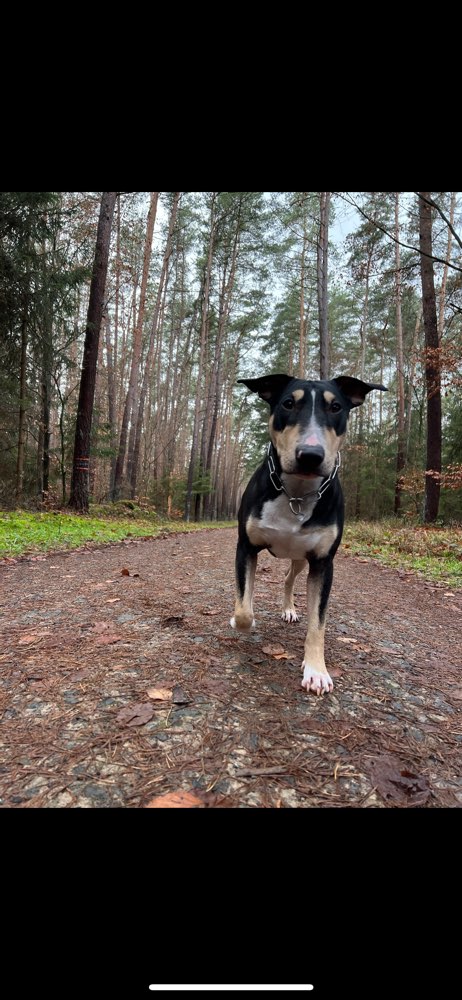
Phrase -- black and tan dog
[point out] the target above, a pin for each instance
(293, 504)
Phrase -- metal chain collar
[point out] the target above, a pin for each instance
(299, 501)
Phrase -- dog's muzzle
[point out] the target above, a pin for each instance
(309, 458)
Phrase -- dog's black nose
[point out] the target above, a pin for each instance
(309, 458)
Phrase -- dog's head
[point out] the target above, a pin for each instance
(308, 419)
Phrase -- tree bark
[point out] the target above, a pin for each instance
(194, 458)
(134, 453)
(410, 390)
(229, 274)
(323, 242)
(432, 363)
(401, 449)
(363, 331)
(22, 413)
(302, 322)
(111, 402)
(442, 293)
(137, 344)
(79, 498)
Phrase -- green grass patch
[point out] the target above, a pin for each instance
(434, 553)
(24, 533)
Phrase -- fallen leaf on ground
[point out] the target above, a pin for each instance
(125, 572)
(179, 696)
(215, 685)
(176, 800)
(135, 715)
(25, 640)
(208, 661)
(159, 694)
(172, 620)
(341, 638)
(397, 784)
(112, 600)
(273, 650)
(108, 639)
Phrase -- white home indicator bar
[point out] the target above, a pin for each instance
(235, 987)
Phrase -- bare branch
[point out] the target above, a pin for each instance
(440, 211)
(439, 260)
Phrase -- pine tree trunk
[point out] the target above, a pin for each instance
(401, 449)
(224, 310)
(323, 243)
(22, 414)
(79, 498)
(407, 431)
(442, 293)
(137, 344)
(46, 396)
(118, 381)
(302, 321)
(432, 363)
(111, 403)
(362, 365)
(194, 458)
(134, 452)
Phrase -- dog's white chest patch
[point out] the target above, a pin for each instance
(281, 530)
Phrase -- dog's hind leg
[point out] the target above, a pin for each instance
(289, 613)
(318, 585)
(246, 564)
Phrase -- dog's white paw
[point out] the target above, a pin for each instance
(288, 615)
(314, 680)
(240, 626)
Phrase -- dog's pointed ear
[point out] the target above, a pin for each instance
(269, 387)
(354, 389)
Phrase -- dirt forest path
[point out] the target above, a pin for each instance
(84, 635)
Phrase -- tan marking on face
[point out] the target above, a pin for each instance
(331, 443)
(298, 394)
(328, 396)
(285, 443)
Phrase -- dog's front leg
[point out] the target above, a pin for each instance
(246, 564)
(289, 613)
(319, 582)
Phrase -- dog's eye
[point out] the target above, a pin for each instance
(288, 403)
(335, 407)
